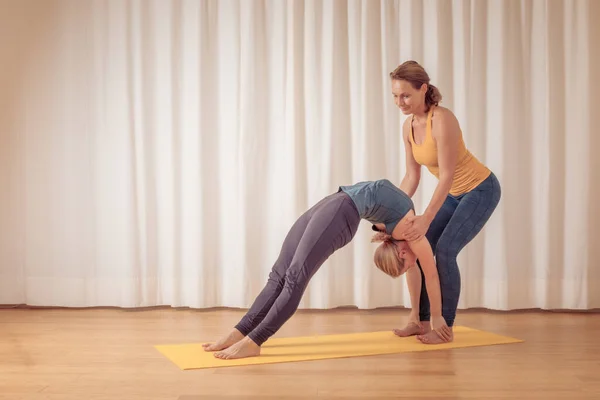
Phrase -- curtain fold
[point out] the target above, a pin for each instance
(157, 152)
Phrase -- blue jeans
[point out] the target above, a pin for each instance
(457, 222)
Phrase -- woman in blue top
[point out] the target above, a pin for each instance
(326, 227)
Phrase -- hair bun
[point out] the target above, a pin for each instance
(381, 237)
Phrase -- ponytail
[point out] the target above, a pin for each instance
(381, 237)
(432, 96)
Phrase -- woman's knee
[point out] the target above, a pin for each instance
(446, 250)
(298, 275)
(276, 279)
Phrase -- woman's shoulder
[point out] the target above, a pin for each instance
(442, 113)
(443, 121)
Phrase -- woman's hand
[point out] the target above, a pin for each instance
(420, 225)
(438, 324)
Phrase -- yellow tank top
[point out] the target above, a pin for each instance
(469, 171)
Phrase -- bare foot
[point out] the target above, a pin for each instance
(233, 337)
(413, 328)
(242, 349)
(433, 337)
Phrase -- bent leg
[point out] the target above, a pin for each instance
(474, 210)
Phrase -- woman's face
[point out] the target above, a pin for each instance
(406, 97)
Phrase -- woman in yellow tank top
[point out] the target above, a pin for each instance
(466, 195)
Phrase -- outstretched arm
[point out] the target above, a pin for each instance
(413, 280)
(422, 250)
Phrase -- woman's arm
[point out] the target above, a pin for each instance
(447, 135)
(423, 252)
(413, 281)
(412, 177)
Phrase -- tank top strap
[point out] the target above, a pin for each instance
(411, 137)
(428, 124)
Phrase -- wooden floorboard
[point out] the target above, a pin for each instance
(100, 354)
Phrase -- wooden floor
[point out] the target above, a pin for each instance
(108, 354)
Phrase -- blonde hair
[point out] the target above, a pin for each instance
(386, 256)
(415, 74)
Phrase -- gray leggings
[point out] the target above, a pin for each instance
(326, 227)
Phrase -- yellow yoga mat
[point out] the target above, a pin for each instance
(306, 348)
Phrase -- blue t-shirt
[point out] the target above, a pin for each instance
(380, 202)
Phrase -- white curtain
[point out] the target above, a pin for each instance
(157, 152)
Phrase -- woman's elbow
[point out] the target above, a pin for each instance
(414, 174)
(446, 178)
